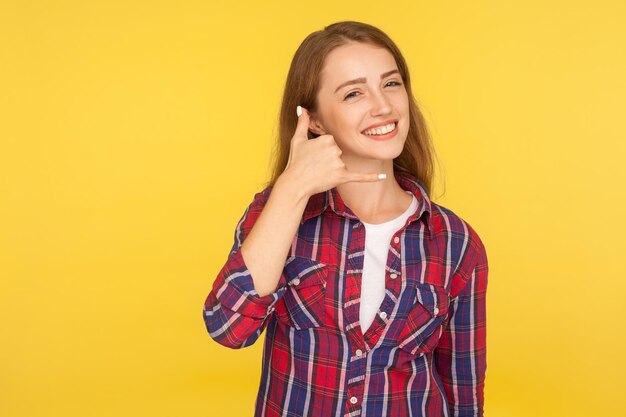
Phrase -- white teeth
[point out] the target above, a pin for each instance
(381, 130)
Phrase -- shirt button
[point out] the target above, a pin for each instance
(383, 315)
(396, 239)
(359, 352)
(353, 400)
(295, 282)
(394, 276)
(436, 310)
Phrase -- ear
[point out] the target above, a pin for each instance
(315, 126)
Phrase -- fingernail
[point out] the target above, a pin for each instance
(382, 176)
(299, 111)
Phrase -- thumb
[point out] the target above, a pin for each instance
(303, 124)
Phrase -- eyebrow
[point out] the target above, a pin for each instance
(362, 79)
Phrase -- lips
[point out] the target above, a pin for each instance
(382, 133)
(381, 124)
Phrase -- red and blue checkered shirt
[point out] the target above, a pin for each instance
(423, 356)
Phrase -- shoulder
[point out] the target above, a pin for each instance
(260, 197)
(253, 209)
(459, 237)
(446, 221)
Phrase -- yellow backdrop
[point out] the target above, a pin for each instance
(134, 134)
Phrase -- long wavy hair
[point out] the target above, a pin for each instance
(302, 85)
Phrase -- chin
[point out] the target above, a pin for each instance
(390, 155)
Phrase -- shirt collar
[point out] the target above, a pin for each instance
(319, 202)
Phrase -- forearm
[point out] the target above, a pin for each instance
(266, 247)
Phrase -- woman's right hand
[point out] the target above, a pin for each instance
(315, 165)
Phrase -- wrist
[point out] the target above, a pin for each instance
(286, 184)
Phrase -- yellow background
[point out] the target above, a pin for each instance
(134, 134)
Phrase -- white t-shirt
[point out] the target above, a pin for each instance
(377, 243)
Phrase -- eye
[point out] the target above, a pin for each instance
(352, 94)
(349, 95)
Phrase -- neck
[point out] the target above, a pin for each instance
(375, 202)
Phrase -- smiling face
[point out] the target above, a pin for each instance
(361, 97)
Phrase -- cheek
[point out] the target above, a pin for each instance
(403, 102)
(343, 124)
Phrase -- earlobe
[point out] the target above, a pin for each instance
(315, 127)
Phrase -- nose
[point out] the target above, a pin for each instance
(380, 104)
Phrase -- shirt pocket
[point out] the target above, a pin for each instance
(423, 326)
(303, 304)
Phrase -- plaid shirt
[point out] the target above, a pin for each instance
(424, 354)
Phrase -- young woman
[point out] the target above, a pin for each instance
(371, 296)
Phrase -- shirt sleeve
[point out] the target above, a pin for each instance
(460, 356)
(234, 313)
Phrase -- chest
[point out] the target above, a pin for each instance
(324, 277)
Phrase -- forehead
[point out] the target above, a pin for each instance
(354, 60)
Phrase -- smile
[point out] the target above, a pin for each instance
(383, 132)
